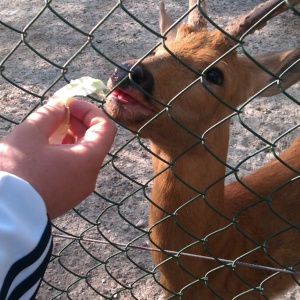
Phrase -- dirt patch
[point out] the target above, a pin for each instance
(105, 262)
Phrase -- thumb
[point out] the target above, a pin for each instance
(45, 120)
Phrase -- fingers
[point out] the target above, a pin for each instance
(99, 132)
(77, 129)
(45, 120)
(92, 131)
(90, 123)
(87, 113)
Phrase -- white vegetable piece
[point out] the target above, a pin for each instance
(83, 86)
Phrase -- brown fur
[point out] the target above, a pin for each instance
(192, 207)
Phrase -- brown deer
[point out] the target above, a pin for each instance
(180, 97)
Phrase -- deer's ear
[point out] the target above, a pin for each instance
(284, 65)
(165, 22)
(196, 21)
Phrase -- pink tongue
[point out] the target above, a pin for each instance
(131, 103)
(124, 97)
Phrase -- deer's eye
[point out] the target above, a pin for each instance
(215, 76)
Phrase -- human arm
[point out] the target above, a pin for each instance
(48, 179)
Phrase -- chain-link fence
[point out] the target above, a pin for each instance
(101, 248)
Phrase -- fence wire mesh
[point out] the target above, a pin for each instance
(101, 248)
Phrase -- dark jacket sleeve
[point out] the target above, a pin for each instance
(25, 238)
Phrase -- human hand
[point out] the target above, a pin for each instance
(62, 174)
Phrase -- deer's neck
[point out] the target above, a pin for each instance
(186, 182)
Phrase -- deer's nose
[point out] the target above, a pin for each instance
(132, 75)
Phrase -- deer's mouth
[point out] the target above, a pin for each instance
(129, 105)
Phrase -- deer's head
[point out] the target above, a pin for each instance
(189, 77)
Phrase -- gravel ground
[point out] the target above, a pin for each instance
(94, 265)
